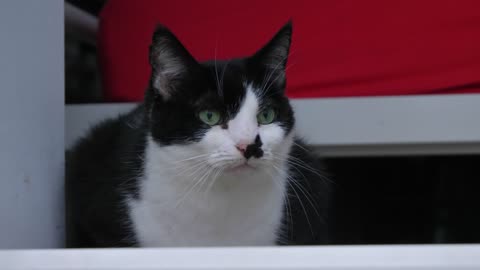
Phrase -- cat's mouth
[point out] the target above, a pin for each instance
(241, 167)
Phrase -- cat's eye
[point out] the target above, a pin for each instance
(266, 116)
(209, 117)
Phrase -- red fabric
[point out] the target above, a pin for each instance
(340, 48)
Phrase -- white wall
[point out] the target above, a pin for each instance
(31, 123)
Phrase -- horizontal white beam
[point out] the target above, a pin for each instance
(414, 257)
(390, 120)
(413, 125)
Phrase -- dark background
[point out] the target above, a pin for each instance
(82, 76)
(406, 200)
(381, 200)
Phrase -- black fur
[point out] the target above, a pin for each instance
(105, 165)
(254, 149)
(99, 169)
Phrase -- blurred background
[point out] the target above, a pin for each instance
(82, 75)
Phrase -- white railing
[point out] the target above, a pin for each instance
(414, 257)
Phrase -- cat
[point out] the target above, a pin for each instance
(210, 158)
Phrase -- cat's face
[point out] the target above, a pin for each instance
(229, 115)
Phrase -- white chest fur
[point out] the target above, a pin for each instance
(240, 209)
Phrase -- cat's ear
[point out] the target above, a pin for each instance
(274, 55)
(170, 62)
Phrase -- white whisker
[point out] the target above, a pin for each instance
(277, 77)
(286, 201)
(223, 76)
(217, 173)
(264, 87)
(301, 147)
(300, 201)
(190, 158)
(193, 169)
(192, 187)
(300, 163)
(219, 90)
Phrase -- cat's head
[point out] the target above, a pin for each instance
(231, 115)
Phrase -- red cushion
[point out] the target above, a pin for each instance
(340, 48)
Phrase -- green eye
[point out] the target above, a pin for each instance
(209, 117)
(266, 117)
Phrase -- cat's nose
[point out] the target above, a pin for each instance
(242, 147)
(250, 150)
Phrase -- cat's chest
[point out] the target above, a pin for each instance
(246, 213)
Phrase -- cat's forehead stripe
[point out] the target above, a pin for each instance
(256, 92)
(251, 99)
(249, 106)
(243, 127)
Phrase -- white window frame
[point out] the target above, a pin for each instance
(412, 257)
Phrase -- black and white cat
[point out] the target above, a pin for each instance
(209, 159)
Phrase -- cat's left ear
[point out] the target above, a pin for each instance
(274, 55)
(170, 61)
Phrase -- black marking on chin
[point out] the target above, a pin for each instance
(254, 149)
(224, 125)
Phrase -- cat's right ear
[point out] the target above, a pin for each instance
(170, 62)
(273, 56)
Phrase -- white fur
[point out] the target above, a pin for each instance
(244, 128)
(182, 205)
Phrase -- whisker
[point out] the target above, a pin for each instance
(190, 158)
(286, 201)
(192, 186)
(193, 169)
(219, 90)
(216, 175)
(223, 75)
(300, 201)
(300, 163)
(265, 82)
(272, 70)
(206, 180)
(306, 193)
(301, 147)
(277, 77)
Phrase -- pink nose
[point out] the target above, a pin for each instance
(242, 147)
